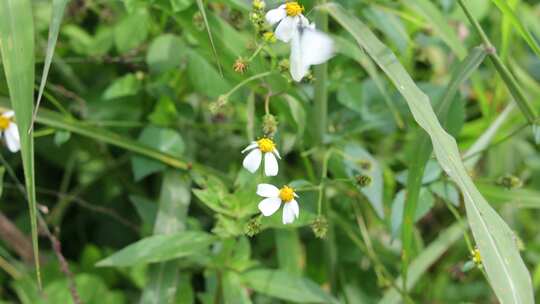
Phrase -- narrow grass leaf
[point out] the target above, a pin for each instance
(159, 248)
(171, 218)
(505, 269)
(521, 29)
(17, 47)
(54, 27)
(437, 20)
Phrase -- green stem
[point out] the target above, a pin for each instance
(508, 78)
(244, 82)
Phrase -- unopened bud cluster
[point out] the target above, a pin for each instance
(257, 19)
(320, 227)
(269, 125)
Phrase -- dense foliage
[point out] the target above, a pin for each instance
(142, 191)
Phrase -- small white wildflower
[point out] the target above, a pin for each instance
(8, 129)
(308, 45)
(273, 199)
(252, 161)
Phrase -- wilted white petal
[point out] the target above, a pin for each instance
(275, 15)
(286, 28)
(270, 164)
(253, 160)
(295, 208)
(267, 190)
(251, 146)
(13, 141)
(288, 214)
(269, 206)
(8, 114)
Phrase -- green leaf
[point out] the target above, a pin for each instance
(165, 53)
(180, 5)
(424, 260)
(160, 248)
(17, 47)
(285, 286)
(164, 140)
(125, 86)
(425, 203)
(56, 20)
(289, 252)
(521, 29)
(204, 76)
(131, 31)
(505, 269)
(165, 113)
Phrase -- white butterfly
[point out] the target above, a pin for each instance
(308, 47)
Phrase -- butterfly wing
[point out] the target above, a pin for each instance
(309, 47)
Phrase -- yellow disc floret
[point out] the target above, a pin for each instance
(286, 194)
(4, 122)
(293, 8)
(266, 145)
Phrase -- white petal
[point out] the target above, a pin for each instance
(8, 114)
(13, 141)
(253, 160)
(286, 28)
(276, 153)
(251, 146)
(288, 214)
(275, 15)
(269, 206)
(270, 164)
(267, 190)
(295, 208)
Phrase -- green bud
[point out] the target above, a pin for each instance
(320, 227)
(269, 125)
(363, 180)
(510, 181)
(253, 227)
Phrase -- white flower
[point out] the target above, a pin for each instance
(308, 45)
(273, 199)
(252, 161)
(289, 16)
(9, 130)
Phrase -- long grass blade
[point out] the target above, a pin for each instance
(521, 29)
(505, 269)
(17, 47)
(202, 10)
(54, 27)
(423, 150)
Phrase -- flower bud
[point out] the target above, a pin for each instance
(510, 181)
(320, 227)
(363, 180)
(269, 125)
(253, 227)
(258, 5)
(283, 66)
(269, 37)
(240, 65)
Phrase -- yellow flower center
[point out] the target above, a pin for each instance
(286, 194)
(293, 8)
(4, 122)
(266, 145)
